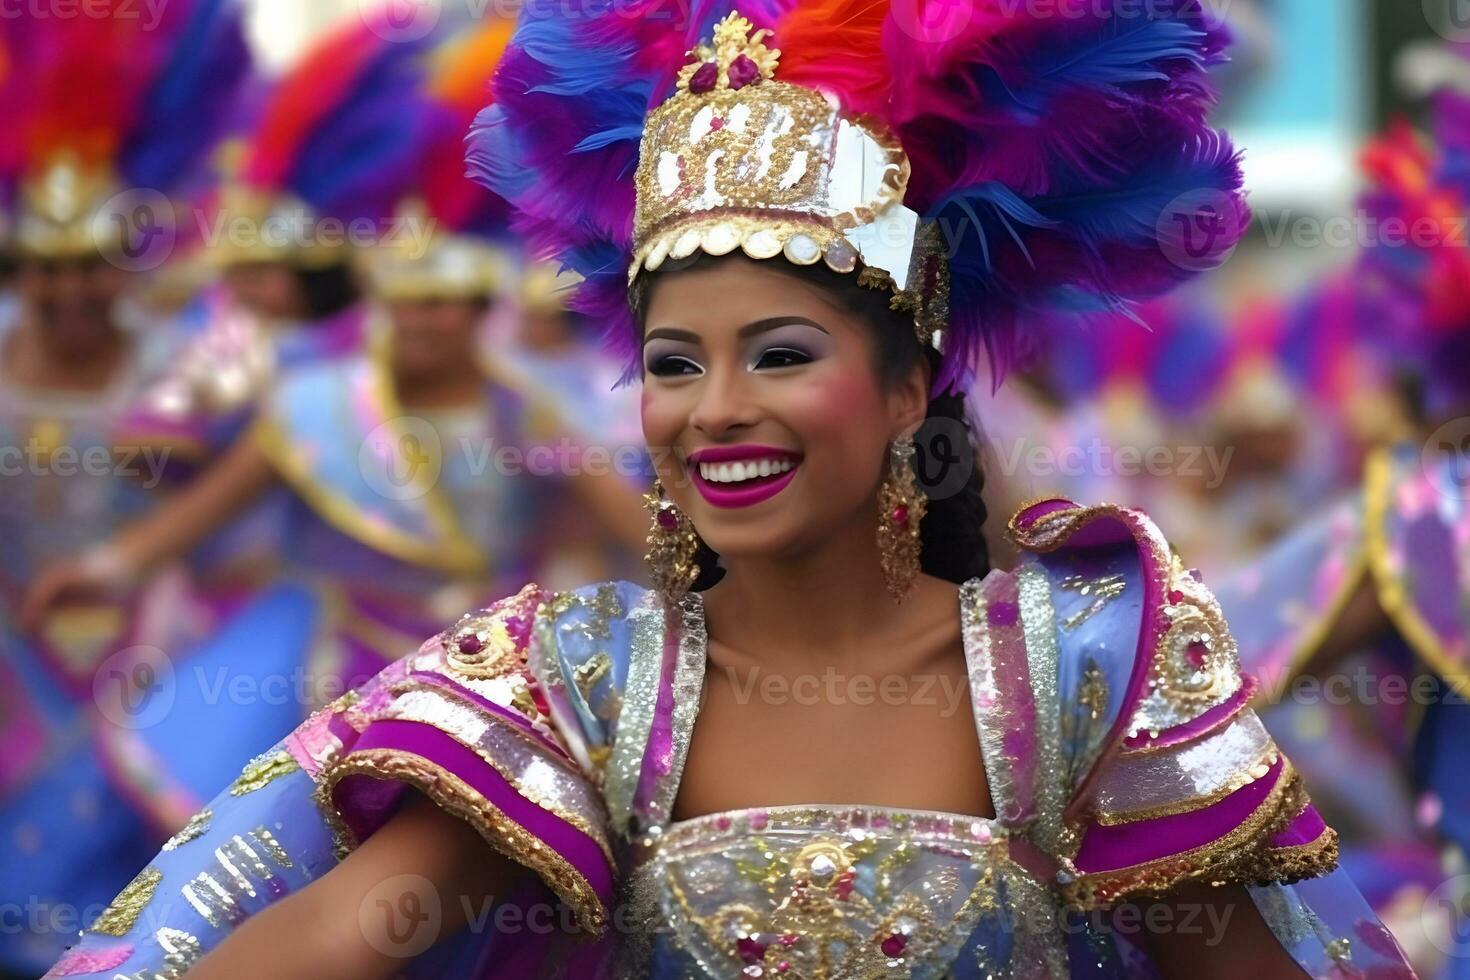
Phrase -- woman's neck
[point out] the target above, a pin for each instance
(827, 604)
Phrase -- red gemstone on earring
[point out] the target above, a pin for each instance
(893, 946)
(900, 515)
(668, 520)
(704, 77)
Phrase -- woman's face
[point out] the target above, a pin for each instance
(763, 407)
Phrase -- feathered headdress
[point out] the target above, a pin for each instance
(985, 164)
(121, 99)
(340, 136)
(446, 252)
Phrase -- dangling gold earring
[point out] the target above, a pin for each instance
(672, 546)
(901, 507)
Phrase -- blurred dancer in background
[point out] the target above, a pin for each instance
(1373, 594)
(100, 113)
(421, 478)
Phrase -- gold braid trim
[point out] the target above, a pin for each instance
(1241, 857)
(458, 799)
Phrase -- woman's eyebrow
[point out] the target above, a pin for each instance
(749, 330)
(671, 333)
(775, 322)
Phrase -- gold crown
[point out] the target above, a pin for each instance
(259, 224)
(736, 159)
(62, 212)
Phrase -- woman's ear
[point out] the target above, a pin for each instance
(908, 399)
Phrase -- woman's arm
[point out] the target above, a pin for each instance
(365, 918)
(1210, 933)
(171, 531)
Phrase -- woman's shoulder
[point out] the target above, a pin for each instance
(1153, 768)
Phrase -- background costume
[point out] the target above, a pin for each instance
(99, 110)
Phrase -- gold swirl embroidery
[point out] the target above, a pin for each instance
(838, 900)
(1103, 590)
(481, 647)
(122, 914)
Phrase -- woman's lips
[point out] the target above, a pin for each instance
(742, 476)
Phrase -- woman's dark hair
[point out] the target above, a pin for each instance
(328, 289)
(948, 463)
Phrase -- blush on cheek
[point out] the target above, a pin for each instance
(835, 401)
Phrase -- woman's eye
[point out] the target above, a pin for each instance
(673, 365)
(779, 357)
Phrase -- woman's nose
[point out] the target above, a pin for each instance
(724, 405)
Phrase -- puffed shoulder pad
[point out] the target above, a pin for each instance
(1153, 770)
(466, 722)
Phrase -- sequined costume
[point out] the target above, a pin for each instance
(1120, 749)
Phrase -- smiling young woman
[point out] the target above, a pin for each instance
(759, 769)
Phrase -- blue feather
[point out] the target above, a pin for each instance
(189, 101)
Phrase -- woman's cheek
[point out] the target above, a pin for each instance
(665, 414)
(833, 401)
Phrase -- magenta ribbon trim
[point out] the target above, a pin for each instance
(1111, 848)
(1305, 828)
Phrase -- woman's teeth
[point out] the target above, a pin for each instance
(739, 472)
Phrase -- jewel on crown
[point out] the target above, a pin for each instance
(736, 58)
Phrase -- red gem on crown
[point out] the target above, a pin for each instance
(704, 77)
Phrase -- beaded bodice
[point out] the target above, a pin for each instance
(836, 892)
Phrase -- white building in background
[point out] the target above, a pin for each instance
(281, 29)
